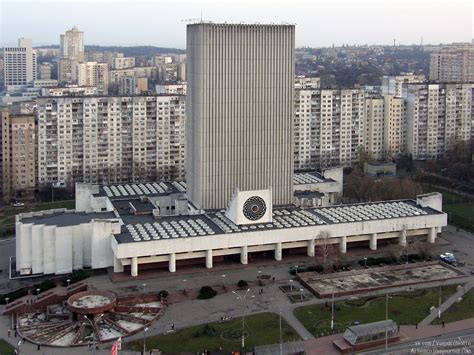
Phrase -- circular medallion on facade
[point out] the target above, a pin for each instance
(254, 208)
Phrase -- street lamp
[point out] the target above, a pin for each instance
(223, 281)
(242, 299)
(365, 262)
(296, 270)
(439, 303)
(7, 299)
(37, 291)
(386, 318)
(332, 312)
(68, 282)
(184, 285)
(291, 285)
(93, 330)
(301, 293)
(144, 339)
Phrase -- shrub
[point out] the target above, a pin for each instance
(12, 296)
(76, 276)
(206, 292)
(242, 283)
(45, 285)
(163, 293)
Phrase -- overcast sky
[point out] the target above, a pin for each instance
(162, 22)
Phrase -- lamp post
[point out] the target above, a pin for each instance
(291, 285)
(281, 338)
(386, 318)
(296, 270)
(37, 294)
(7, 299)
(242, 299)
(223, 281)
(301, 294)
(332, 312)
(439, 303)
(365, 262)
(184, 286)
(68, 282)
(144, 339)
(93, 331)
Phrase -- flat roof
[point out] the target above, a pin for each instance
(64, 219)
(309, 178)
(141, 189)
(138, 228)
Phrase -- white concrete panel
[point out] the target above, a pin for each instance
(49, 249)
(77, 248)
(63, 250)
(37, 248)
(24, 240)
(102, 255)
(86, 231)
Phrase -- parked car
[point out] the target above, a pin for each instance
(18, 204)
(448, 258)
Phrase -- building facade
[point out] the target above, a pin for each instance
(19, 63)
(453, 64)
(329, 127)
(240, 111)
(18, 145)
(374, 125)
(392, 85)
(72, 44)
(94, 74)
(437, 116)
(111, 139)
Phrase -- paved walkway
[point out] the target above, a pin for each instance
(448, 303)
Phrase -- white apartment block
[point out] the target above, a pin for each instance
(171, 89)
(437, 115)
(19, 65)
(124, 62)
(94, 74)
(374, 114)
(329, 127)
(72, 44)
(394, 126)
(392, 85)
(72, 90)
(306, 82)
(453, 64)
(113, 139)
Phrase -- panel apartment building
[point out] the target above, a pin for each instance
(453, 64)
(17, 154)
(437, 115)
(329, 127)
(19, 63)
(113, 139)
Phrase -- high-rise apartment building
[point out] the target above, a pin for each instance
(437, 116)
(124, 62)
(240, 99)
(19, 65)
(18, 154)
(374, 125)
(394, 126)
(392, 85)
(453, 64)
(111, 139)
(307, 82)
(329, 127)
(94, 74)
(131, 85)
(72, 44)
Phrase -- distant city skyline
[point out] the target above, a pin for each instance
(162, 23)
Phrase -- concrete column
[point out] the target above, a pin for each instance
(343, 244)
(209, 258)
(311, 247)
(134, 266)
(432, 234)
(403, 238)
(118, 267)
(278, 251)
(244, 255)
(373, 241)
(172, 262)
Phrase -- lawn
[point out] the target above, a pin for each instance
(403, 308)
(461, 214)
(459, 311)
(7, 215)
(6, 348)
(261, 329)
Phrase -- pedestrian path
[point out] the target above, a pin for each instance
(448, 303)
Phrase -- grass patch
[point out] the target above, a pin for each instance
(7, 215)
(6, 348)
(403, 308)
(261, 329)
(459, 311)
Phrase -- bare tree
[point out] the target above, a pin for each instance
(325, 247)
